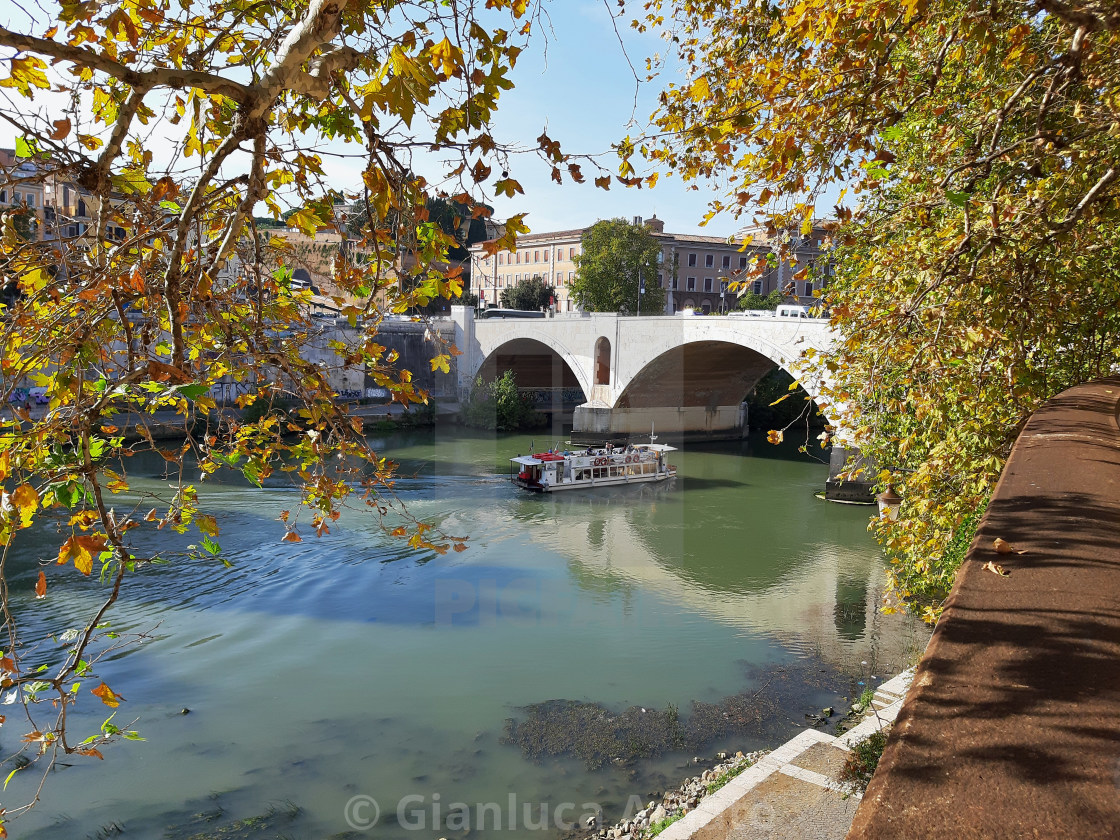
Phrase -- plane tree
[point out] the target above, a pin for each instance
(971, 152)
(160, 134)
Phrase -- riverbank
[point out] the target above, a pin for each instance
(794, 791)
(674, 805)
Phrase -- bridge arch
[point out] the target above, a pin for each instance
(536, 361)
(715, 369)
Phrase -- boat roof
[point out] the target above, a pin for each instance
(527, 460)
(656, 447)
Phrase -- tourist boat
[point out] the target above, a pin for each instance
(604, 466)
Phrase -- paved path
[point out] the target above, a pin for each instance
(1012, 728)
(794, 792)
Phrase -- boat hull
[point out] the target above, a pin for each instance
(620, 481)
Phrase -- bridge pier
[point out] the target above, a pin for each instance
(595, 422)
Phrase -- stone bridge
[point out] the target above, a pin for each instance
(687, 376)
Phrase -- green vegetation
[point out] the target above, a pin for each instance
(725, 777)
(750, 300)
(656, 828)
(860, 765)
(270, 823)
(531, 293)
(499, 405)
(613, 254)
(171, 289)
(977, 269)
(774, 406)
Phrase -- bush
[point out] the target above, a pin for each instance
(926, 584)
(499, 405)
(861, 764)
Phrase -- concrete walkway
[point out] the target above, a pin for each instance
(1012, 728)
(794, 792)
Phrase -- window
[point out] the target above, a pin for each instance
(536, 256)
(3, 196)
(756, 287)
(30, 199)
(692, 284)
(808, 288)
(742, 262)
(727, 261)
(660, 280)
(709, 261)
(707, 284)
(571, 276)
(17, 197)
(674, 283)
(81, 208)
(723, 287)
(691, 260)
(571, 253)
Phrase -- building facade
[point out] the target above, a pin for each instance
(697, 272)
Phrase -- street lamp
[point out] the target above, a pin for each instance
(889, 503)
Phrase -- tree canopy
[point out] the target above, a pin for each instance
(613, 254)
(159, 133)
(752, 300)
(976, 272)
(529, 293)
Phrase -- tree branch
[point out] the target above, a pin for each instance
(172, 77)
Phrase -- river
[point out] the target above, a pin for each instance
(325, 675)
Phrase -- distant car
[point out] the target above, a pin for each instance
(790, 310)
(38, 396)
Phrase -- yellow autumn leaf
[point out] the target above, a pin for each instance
(700, 90)
(446, 57)
(207, 525)
(25, 500)
(109, 697)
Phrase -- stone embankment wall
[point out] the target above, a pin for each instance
(1012, 725)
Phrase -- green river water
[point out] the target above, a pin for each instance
(327, 674)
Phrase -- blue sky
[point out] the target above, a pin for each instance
(582, 90)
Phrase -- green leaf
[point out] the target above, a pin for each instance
(957, 198)
(193, 392)
(210, 546)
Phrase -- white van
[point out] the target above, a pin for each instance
(792, 310)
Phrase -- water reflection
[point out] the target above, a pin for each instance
(348, 664)
(818, 595)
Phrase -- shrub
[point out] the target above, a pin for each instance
(499, 405)
(861, 764)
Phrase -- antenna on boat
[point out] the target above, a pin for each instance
(652, 436)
